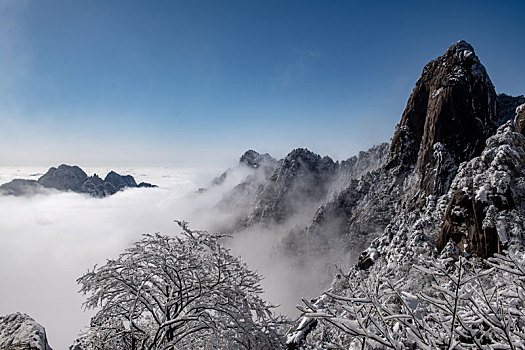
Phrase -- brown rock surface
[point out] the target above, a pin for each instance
(453, 104)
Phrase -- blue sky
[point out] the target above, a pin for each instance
(199, 82)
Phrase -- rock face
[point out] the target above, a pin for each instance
(482, 213)
(520, 119)
(263, 163)
(506, 107)
(451, 112)
(256, 168)
(449, 115)
(460, 151)
(96, 187)
(19, 187)
(18, 331)
(485, 192)
(74, 179)
(255, 160)
(120, 181)
(302, 177)
(64, 178)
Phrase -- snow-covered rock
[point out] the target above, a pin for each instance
(485, 197)
(520, 118)
(452, 180)
(300, 182)
(19, 331)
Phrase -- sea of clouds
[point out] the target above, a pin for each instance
(50, 239)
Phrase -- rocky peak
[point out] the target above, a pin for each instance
(72, 178)
(448, 117)
(301, 160)
(64, 178)
(301, 178)
(120, 181)
(254, 159)
(20, 331)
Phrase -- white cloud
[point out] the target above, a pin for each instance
(50, 240)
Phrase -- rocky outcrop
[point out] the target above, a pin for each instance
(301, 179)
(506, 107)
(482, 213)
(448, 117)
(64, 178)
(96, 187)
(20, 187)
(120, 181)
(74, 179)
(18, 331)
(264, 165)
(454, 179)
(253, 159)
(520, 119)
(485, 194)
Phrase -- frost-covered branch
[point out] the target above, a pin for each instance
(169, 292)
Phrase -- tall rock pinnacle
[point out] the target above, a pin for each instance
(448, 117)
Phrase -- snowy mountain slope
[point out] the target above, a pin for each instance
(19, 331)
(495, 180)
(478, 209)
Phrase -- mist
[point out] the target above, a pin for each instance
(50, 239)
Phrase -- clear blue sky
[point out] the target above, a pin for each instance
(199, 82)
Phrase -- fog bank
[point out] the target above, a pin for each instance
(51, 239)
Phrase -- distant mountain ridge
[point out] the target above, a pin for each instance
(74, 179)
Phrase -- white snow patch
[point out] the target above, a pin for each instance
(502, 231)
(437, 92)
(520, 108)
(481, 195)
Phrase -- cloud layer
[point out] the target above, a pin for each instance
(51, 239)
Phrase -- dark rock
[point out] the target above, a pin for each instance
(220, 179)
(120, 181)
(254, 160)
(485, 192)
(464, 225)
(506, 107)
(72, 178)
(453, 105)
(367, 259)
(20, 187)
(96, 187)
(146, 185)
(64, 178)
(301, 179)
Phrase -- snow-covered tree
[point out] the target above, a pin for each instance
(463, 304)
(184, 292)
